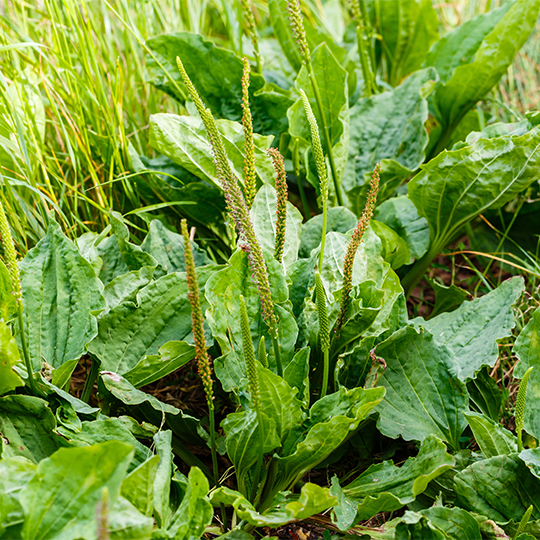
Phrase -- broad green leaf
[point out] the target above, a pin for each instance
(61, 296)
(171, 356)
(296, 374)
(217, 75)
(244, 444)
(167, 248)
(471, 332)
(332, 420)
(133, 256)
(313, 499)
(162, 478)
(423, 393)
(454, 522)
(15, 473)
(279, 19)
(182, 424)
(279, 403)
(527, 349)
(63, 494)
(458, 185)
(387, 128)
(7, 299)
(223, 292)
(125, 287)
(531, 458)
(408, 28)
(485, 394)
(9, 356)
(400, 214)
(107, 429)
(491, 437)
(184, 140)
(27, 427)
(206, 204)
(339, 219)
(473, 58)
(394, 248)
(138, 486)
(263, 216)
(332, 83)
(127, 523)
(384, 487)
(131, 331)
(195, 511)
(446, 298)
(527, 346)
(500, 488)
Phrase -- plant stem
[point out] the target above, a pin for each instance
(26, 355)
(91, 379)
(419, 268)
(326, 372)
(326, 134)
(212, 422)
(258, 466)
(277, 354)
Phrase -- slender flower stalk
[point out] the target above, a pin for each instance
(15, 280)
(352, 248)
(247, 10)
(261, 353)
(253, 381)
(324, 329)
(240, 213)
(318, 154)
(281, 206)
(364, 46)
(297, 23)
(250, 176)
(520, 407)
(204, 362)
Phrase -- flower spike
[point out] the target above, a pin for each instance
(356, 238)
(250, 178)
(10, 256)
(203, 359)
(297, 23)
(247, 10)
(281, 207)
(318, 154)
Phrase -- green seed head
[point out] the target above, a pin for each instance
(261, 353)
(324, 330)
(250, 178)
(249, 355)
(10, 255)
(281, 208)
(316, 146)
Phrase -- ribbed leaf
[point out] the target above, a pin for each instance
(423, 393)
(471, 332)
(62, 297)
